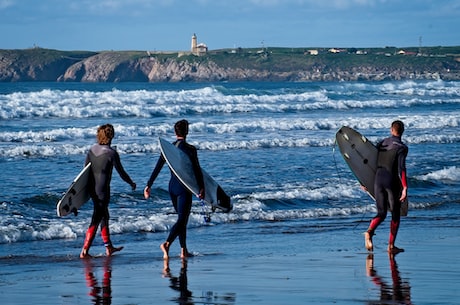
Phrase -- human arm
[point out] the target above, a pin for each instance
(403, 172)
(121, 171)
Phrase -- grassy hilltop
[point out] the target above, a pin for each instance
(267, 64)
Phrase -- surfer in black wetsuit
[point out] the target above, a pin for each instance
(103, 158)
(390, 185)
(180, 196)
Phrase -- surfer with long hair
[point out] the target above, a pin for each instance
(103, 159)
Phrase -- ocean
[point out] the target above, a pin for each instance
(270, 146)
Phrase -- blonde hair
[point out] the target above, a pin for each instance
(105, 134)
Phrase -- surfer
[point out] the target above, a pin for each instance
(103, 158)
(390, 185)
(181, 197)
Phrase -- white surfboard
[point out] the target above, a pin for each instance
(181, 166)
(76, 195)
(361, 156)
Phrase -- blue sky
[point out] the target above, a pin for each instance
(97, 25)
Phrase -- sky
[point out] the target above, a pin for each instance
(168, 25)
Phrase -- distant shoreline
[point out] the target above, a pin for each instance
(238, 64)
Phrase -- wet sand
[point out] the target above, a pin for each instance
(324, 268)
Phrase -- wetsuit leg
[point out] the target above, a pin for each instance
(105, 233)
(95, 220)
(395, 216)
(182, 201)
(382, 188)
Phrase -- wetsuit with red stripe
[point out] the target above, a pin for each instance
(390, 179)
(103, 159)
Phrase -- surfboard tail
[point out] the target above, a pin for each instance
(223, 200)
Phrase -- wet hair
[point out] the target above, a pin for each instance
(398, 126)
(181, 128)
(105, 134)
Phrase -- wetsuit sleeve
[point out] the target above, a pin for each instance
(121, 171)
(161, 161)
(87, 160)
(402, 165)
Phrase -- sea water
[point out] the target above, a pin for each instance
(270, 146)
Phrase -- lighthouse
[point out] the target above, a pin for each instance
(194, 44)
(198, 49)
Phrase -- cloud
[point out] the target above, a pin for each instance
(6, 3)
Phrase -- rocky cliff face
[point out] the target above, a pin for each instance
(109, 68)
(18, 66)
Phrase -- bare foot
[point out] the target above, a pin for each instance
(110, 250)
(84, 254)
(394, 250)
(185, 254)
(165, 248)
(368, 241)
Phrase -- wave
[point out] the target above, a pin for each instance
(447, 174)
(35, 225)
(68, 149)
(49, 103)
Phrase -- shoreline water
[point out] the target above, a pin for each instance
(326, 266)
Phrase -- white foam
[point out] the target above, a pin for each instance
(451, 173)
(150, 103)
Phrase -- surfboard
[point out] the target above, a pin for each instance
(361, 156)
(181, 166)
(76, 195)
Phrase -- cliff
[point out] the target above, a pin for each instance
(274, 64)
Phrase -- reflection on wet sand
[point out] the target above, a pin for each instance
(180, 284)
(100, 294)
(396, 293)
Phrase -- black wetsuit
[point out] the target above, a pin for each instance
(103, 159)
(389, 181)
(181, 197)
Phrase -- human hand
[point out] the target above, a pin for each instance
(147, 192)
(363, 188)
(201, 194)
(403, 194)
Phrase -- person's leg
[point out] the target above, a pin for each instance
(91, 232)
(184, 209)
(381, 199)
(105, 233)
(165, 246)
(89, 237)
(394, 225)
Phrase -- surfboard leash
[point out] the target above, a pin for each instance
(206, 215)
(335, 161)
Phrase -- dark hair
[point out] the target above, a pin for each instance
(398, 126)
(181, 128)
(105, 134)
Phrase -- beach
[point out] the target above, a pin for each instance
(295, 234)
(312, 266)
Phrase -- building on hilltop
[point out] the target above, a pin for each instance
(198, 49)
